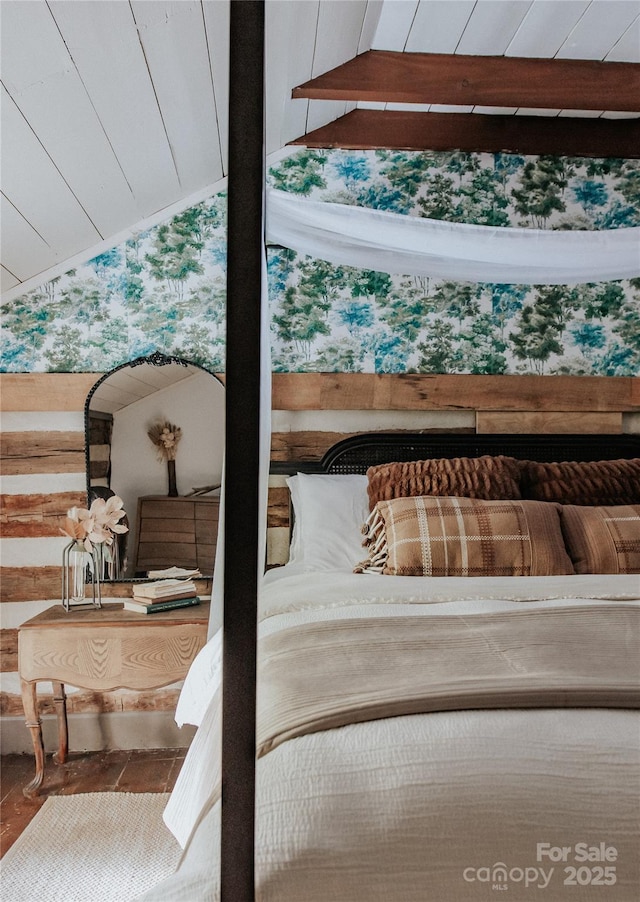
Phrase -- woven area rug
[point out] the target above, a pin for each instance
(91, 847)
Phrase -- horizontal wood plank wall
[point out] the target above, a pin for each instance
(544, 404)
(38, 515)
(58, 456)
(547, 422)
(84, 702)
(42, 452)
(363, 391)
(35, 583)
(514, 404)
(46, 391)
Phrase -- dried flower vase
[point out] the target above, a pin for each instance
(166, 436)
(171, 472)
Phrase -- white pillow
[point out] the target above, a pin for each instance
(329, 512)
(295, 546)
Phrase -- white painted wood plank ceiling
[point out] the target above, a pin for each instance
(114, 112)
(128, 385)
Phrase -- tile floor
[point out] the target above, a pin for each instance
(147, 770)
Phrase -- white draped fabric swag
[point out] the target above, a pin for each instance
(408, 245)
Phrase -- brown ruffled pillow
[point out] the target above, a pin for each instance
(602, 539)
(591, 482)
(464, 537)
(487, 477)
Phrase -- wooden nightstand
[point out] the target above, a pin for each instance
(101, 649)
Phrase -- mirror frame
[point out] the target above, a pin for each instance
(155, 359)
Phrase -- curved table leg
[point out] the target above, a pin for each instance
(30, 705)
(60, 702)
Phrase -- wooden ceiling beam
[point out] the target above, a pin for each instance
(372, 129)
(386, 76)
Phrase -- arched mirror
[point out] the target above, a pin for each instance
(168, 480)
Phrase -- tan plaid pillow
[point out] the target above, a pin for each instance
(464, 537)
(603, 539)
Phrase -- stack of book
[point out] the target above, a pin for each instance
(162, 595)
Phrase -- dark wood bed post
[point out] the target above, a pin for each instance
(244, 282)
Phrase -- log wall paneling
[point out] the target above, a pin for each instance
(36, 516)
(44, 583)
(46, 391)
(30, 583)
(526, 421)
(278, 510)
(85, 702)
(312, 445)
(100, 428)
(42, 452)
(368, 391)
(9, 650)
(364, 391)
(278, 522)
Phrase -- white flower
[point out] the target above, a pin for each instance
(97, 525)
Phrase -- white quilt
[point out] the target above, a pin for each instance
(446, 806)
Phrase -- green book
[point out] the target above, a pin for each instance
(158, 606)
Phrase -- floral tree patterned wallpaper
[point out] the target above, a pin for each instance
(164, 289)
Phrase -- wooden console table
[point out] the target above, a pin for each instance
(101, 649)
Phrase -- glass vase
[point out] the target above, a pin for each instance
(80, 577)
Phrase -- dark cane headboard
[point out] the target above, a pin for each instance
(367, 450)
(357, 453)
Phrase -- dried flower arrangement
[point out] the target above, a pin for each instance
(165, 436)
(96, 525)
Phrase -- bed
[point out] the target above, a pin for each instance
(459, 716)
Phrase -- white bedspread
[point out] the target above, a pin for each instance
(443, 797)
